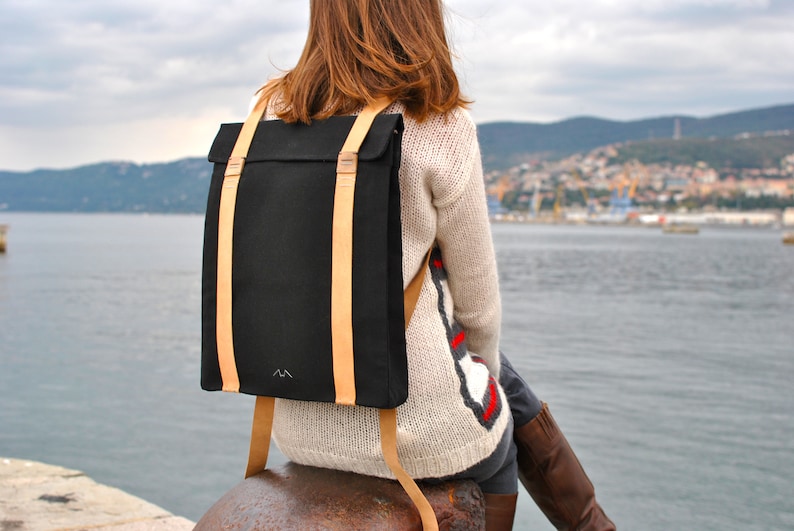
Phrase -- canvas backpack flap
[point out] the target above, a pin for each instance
(282, 262)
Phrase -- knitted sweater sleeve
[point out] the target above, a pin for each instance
(464, 236)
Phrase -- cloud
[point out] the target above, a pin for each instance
(90, 61)
(624, 59)
(150, 79)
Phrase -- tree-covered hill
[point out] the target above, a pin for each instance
(179, 186)
(508, 144)
(718, 153)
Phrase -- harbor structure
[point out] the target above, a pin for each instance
(788, 217)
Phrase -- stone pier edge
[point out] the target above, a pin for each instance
(42, 497)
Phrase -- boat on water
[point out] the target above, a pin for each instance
(788, 238)
(3, 230)
(680, 228)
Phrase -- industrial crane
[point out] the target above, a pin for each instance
(578, 177)
(621, 200)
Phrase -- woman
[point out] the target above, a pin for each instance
(457, 421)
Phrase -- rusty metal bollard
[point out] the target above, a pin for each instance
(295, 497)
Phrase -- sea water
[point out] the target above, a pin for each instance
(667, 360)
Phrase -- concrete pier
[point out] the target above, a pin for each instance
(39, 497)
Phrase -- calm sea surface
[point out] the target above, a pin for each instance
(667, 359)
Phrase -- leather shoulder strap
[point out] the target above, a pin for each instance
(342, 255)
(388, 444)
(413, 290)
(228, 201)
(261, 429)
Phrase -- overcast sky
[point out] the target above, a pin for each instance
(83, 81)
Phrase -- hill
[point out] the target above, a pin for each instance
(718, 153)
(506, 144)
(181, 186)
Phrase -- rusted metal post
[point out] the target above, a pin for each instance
(295, 497)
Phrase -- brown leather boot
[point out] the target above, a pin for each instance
(555, 479)
(500, 510)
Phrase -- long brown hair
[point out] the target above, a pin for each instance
(358, 50)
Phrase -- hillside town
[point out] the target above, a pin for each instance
(595, 187)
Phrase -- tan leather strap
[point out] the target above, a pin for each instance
(342, 255)
(388, 419)
(388, 444)
(223, 310)
(260, 435)
(414, 288)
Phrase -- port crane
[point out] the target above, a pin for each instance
(621, 200)
(495, 195)
(534, 204)
(561, 194)
(558, 201)
(588, 204)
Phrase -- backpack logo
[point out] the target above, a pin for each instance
(282, 373)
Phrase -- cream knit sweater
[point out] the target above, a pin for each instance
(456, 413)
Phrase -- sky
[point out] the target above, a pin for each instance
(84, 81)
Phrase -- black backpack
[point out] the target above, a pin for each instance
(302, 276)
